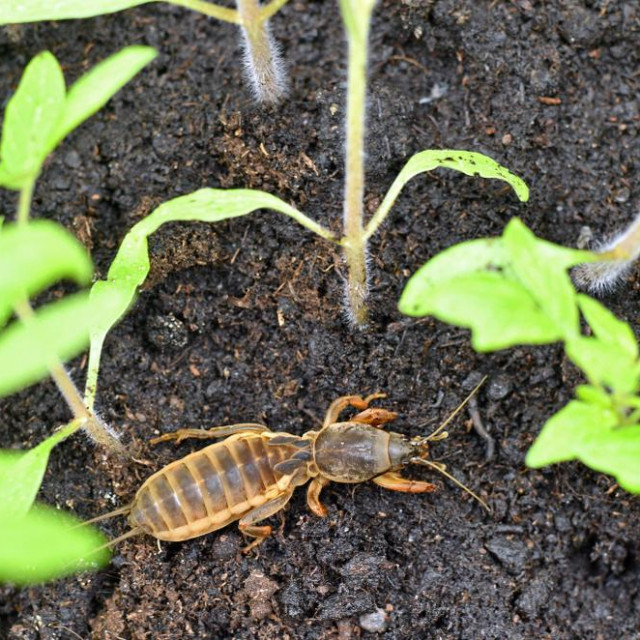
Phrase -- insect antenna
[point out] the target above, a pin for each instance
(105, 516)
(438, 433)
(441, 469)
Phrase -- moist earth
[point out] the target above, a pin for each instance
(243, 321)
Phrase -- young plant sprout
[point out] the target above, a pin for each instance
(37, 542)
(36, 254)
(262, 60)
(516, 290)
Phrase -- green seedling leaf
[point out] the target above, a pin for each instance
(565, 434)
(21, 474)
(499, 312)
(605, 363)
(34, 256)
(462, 259)
(94, 89)
(594, 395)
(607, 327)
(591, 434)
(545, 279)
(55, 333)
(30, 119)
(16, 11)
(131, 264)
(40, 114)
(44, 545)
(468, 162)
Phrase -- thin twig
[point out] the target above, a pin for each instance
(480, 430)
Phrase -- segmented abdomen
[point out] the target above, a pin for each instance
(210, 488)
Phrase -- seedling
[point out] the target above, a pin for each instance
(35, 542)
(263, 63)
(516, 290)
(131, 264)
(37, 118)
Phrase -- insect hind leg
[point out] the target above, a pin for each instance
(248, 526)
(214, 432)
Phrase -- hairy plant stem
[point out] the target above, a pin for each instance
(262, 61)
(354, 243)
(85, 417)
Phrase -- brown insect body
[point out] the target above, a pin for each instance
(252, 474)
(212, 487)
(355, 452)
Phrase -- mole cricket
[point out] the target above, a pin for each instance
(253, 472)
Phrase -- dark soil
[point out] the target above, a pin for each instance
(243, 321)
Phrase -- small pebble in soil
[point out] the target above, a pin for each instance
(167, 332)
(511, 554)
(225, 546)
(374, 622)
(499, 387)
(260, 589)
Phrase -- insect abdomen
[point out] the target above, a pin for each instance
(209, 488)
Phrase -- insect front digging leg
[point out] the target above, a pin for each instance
(374, 416)
(339, 405)
(395, 482)
(313, 496)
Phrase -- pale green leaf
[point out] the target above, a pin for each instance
(467, 162)
(461, 259)
(500, 313)
(570, 431)
(34, 256)
(30, 119)
(591, 434)
(545, 279)
(21, 474)
(44, 545)
(607, 327)
(131, 264)
(13, 11)
(594, 395)
(617, 453)
(92, 91)
(605, 363)
(56, 332)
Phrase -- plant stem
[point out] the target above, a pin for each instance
(262, 61)
(24, 203)
(354, 242)
(99, 431)
(94, 426)
(209, 9)
(617, 257)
